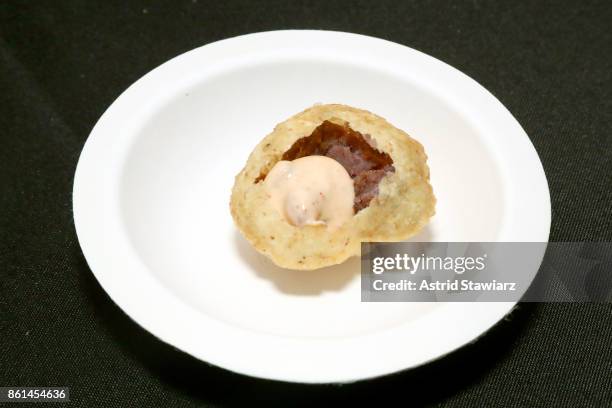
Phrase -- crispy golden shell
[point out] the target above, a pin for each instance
(404, 204)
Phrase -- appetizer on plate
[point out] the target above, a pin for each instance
(326, 180)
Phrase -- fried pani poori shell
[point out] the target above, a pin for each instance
(301, 216)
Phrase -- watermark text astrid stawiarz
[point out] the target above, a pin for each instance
(486, 271)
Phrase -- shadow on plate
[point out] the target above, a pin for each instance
(301, 283)
(191, 379)
(305, 283)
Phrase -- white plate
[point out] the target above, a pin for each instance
(152, 188)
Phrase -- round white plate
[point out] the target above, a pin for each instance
(152, 187)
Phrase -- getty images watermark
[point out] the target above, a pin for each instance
(486, 272)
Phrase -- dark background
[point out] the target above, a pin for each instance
(62, 64)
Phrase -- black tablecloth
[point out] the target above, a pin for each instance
(63, 63)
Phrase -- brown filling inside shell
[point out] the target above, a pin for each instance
(354, 151)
